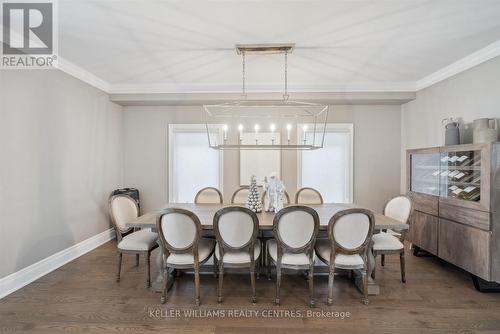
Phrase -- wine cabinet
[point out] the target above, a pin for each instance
(456, 199)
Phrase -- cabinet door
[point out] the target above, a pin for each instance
(424, 231)
(425, 203)
(423, 171)
(466, 247)
(465, 176)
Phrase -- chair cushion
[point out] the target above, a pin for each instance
(239, 257)
(288, 258)
(342, 261)
(142, 240)
(205, 248)
(385, 241)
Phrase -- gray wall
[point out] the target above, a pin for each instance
(469, 95)
(376, 152)
(60, 156)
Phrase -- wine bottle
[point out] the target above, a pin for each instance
(470, 193)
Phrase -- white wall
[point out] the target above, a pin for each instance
(469, 95)
(376, 152)
(60, 156)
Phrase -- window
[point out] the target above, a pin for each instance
(328, 169)
(192, 164)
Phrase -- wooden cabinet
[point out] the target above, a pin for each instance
(456, 200)
(464, 246)
(424, 231)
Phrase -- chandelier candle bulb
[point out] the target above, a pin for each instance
(224, 129)
(304, 131)
(272, 127)
(240, 130)
(256, 128)
(288, 131)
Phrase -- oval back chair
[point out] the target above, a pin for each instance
(392, 242)
(240, 195)
(183, 248)
(208, 195)
(308, 195)
(295, 230)
(349, 234)
(236, 229)
(123, 209)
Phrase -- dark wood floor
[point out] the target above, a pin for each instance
(82, 296)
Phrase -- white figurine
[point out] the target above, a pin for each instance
(274, 188)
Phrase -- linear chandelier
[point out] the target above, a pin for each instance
(266, 124)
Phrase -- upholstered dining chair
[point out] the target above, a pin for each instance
(295, 230)
(388, 242)
(236, 229)
(208, 195)
(183, 248)
(240, 195)
(123, 209)
(308, 195)
(348, 244)
(286, 199)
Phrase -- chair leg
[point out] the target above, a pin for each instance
(403, 267)
(374, 265)
(278, 283)
(215, 266)
(136, 260)
(165, 284)
(268, 266)
(252, 280)
(221, 279)
(148, 268)
(119, 266)
(382, 260)
(331, 277)
(197, 284)
(365, 287)
(311, 286)
(258, 266)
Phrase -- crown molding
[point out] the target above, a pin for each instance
(489, 52)
(262, 88)
(79, 73)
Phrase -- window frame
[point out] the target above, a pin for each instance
(331, 128)
(190, 128)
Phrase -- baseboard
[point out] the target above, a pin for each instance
(19, 279)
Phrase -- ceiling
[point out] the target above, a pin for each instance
(188, 46)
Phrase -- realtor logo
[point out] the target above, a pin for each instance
(28, 35)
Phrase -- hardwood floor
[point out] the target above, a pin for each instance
(83, 296)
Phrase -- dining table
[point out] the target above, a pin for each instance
(206, 212)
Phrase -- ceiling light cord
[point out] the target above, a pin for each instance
(243, 75)
(244, 93)
(285, 95)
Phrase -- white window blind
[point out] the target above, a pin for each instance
(193, 165)
(329, 169)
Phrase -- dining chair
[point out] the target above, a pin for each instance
(286, 199)
(295, 229)
(123, 209)
(348, 244)
(308, 195)
(208, 195)
(387, 242)
(240, 195)
(236, 229)
(182, 245)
